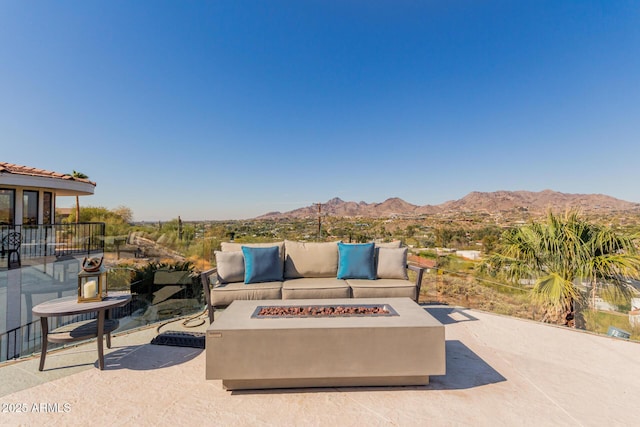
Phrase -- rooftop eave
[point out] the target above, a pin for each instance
(62, 186)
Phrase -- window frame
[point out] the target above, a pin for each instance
(26, 220)
(48, 209)
(11, 192)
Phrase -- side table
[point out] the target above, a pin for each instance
(69, 306)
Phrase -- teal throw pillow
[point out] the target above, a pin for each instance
(262, 264)
(355, 261)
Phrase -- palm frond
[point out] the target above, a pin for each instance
(563, 249)
(554, 290)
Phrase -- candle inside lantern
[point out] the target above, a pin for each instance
(90, 289)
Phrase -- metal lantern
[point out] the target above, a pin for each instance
(92, 281)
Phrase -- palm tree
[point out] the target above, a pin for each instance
(560, 252)
(80, 175)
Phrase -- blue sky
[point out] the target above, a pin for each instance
(231, 109)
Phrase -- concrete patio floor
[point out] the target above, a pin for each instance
(500, 371)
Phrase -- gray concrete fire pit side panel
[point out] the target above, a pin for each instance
(292, 352)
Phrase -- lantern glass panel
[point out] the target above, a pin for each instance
(92, 286)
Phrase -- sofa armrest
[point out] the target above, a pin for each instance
(205, 279)
(419, 273)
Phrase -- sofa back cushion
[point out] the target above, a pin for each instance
(237, 247)
(304, 259)
(391, 263)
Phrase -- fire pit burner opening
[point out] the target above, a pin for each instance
(341, 310)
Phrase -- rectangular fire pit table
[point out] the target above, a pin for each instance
(247, 351)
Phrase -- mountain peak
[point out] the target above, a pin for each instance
(475, 201)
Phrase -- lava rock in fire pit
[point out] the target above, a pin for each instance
(322, 311)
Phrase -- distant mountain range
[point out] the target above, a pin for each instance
(497, 201)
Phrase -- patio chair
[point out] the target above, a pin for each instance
(11, 248)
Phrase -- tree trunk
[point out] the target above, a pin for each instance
(570, 313)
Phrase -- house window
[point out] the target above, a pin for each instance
(47, 208)
(7, 206)
(29, 207)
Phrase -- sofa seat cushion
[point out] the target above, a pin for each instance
(315, 288)
(382, 288)
(225, 294)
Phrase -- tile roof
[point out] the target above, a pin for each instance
(422, 262)
(27, 170)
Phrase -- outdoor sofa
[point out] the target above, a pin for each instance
(308, 270)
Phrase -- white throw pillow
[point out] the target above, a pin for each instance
(394, 244)
(392, 263)
(230, 266)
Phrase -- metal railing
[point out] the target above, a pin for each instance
(141, 310)
(53, 239)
